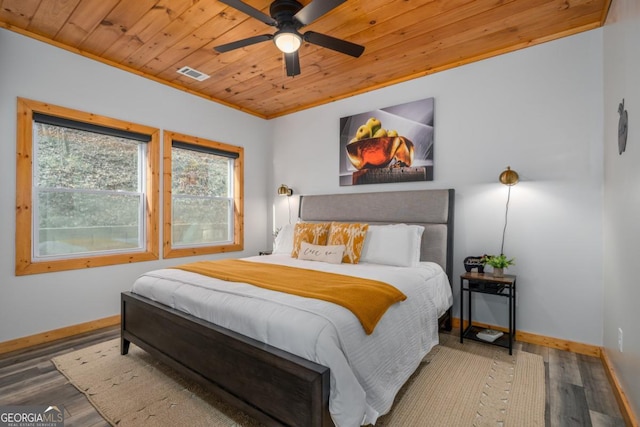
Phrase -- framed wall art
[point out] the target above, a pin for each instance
(393, 144)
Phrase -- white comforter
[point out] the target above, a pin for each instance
(366, 370)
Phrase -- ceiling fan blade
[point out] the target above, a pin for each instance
(333, 43)
(242, 43)
(292, 62)
(251, 11)
(315, 10)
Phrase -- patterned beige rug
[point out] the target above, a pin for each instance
(468, 384)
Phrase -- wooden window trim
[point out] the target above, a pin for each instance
(24, 262)
(238, 197)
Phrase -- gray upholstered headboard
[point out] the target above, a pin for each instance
(432, 209)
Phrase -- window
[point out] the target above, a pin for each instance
(86, 190)
(203, 196)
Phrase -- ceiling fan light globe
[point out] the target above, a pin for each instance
(287, 42)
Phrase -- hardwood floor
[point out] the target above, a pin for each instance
(578, 392)
(27, 377)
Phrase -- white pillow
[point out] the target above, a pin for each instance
(283, 244)
(326, 253)
(394, 244)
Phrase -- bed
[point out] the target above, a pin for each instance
(276, 386)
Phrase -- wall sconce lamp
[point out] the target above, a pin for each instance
(283, 190)
(509, 178)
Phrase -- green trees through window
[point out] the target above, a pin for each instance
(203, 196)
(87, 190)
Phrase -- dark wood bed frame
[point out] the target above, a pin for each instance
(274, 386)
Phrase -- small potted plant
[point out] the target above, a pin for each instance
(498, 262)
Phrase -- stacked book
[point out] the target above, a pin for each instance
(489, 335)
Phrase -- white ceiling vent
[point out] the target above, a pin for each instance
(194, 74)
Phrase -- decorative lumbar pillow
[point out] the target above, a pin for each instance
(352, 236)
(310, 232)
(395, 244)
(327, 253)
(283, 243)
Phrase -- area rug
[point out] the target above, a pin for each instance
(468, 384)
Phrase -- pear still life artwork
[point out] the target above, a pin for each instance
(392, 144)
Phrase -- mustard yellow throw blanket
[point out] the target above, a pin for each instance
(367, 299)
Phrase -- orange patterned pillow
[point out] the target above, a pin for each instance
(314, 233)
(351, 236)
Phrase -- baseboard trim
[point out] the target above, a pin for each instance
(627, 413)
(56, 334)
(572, 346)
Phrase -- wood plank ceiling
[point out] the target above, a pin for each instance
(403, 39)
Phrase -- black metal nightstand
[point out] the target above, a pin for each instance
(488, 284)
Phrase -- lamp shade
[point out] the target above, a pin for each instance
(509, 177)
(283, 190)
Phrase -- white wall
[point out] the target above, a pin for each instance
(622, 195)
(538, 110)
(30, 69)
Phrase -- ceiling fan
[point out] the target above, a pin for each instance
(288, 16)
